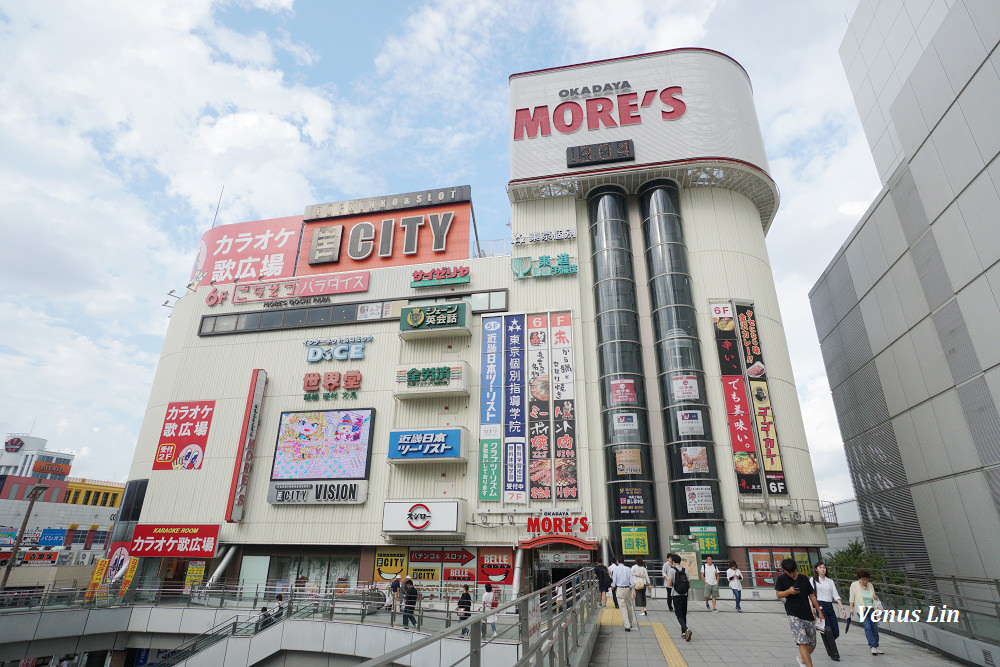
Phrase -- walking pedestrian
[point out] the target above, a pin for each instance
(800, 599)
(465, 607)
(665, 570)
(622, 579)
(410, 595)
(491, 601)
(710, 575)
(863, 594)
(640, 584)
(279, 607)
(603, 583)
(394, 589)
(826, 593)
(678, 580)
(611, 573)
(735, 578)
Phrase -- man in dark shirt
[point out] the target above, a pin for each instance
(410, 596)
(800, 599)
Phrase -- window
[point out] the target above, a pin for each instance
(69, 494)
(114, 500)
(95, 498)
(80, 536)
(76, 497)
(100, 538)
(13, 491)
(86, 498)
(104, 499)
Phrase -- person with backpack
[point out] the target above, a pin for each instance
(679, 582)
(603, 583)
(491, 600)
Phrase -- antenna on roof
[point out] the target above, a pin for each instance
(217, 206)
(32, 425)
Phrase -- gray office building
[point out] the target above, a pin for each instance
(908, 310)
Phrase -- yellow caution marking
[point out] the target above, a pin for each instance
(611, 616)
(667, 646)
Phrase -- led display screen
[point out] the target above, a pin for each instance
(323, 444)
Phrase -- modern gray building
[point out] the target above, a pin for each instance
(908, 310)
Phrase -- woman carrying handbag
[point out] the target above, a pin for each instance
(863, 595)
(640, 579)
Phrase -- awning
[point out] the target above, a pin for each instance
(542, 540)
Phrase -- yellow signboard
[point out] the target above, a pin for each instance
(766, 432)
(133, 565)
(634, 541)
(100, 569)
(390, 563)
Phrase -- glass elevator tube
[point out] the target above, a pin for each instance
(624, 414)
(694, 480)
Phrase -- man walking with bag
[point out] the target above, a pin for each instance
(679, 582)
(622, 580)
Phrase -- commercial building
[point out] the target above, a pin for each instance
(27, 456)
(907, 310)
(346, 396)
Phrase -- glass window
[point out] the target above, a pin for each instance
(670, 289)
(610, 234)
(76, 497)
(225, 323)
(86, 498)
(479, 301)
(617, 325)
(295, 317)
(615, 295)
(248, 322)
(344, 313)
(620, 358)
(80, 536)
(69, 494)
(666, 258)
(104, 499)
(675, 321)
(319, 315)
(614, 263)
(678, 353)
(207, 325)
(114, 500)
(13, 491)
(271, 319)
(662, 229)
(498, 300)
(97, 497)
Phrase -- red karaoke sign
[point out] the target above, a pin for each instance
(157, 540)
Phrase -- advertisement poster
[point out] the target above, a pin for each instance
(739, 415)
(195, 573)
(626, 424)
(631, 502)
(565, 474)
(515, 417)
(805, 567)
(491, 381)
(495, 565)
(635, 541)
(390, 563)
(699, 499)
(767, 435)
(539, 408)
(622, 391)
(684, 388)
(694, 460)
(184, 435)
(708, 539)
(689, 422)
(326, 444)
(176, 541)
(628, 461)
(133, 565)
(761, 566)
(750, 343)
(100, 569)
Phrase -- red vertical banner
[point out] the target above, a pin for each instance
(184, 435)
(539, 408)
(739, 412)
(495, 565)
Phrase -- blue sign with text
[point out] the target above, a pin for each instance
(425, 444)
(52, 537)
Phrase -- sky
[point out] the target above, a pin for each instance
(121, 123)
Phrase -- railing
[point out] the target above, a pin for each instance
(552, 624)
(977, 600)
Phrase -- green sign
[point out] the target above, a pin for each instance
(545, 267)
(708, 539)
(688, 549)
(489, 469)
(634, 541)
(422, 377)
(438, 316)
(458, 280)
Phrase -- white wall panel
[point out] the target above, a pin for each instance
(931, 180)
(960, 158)
(977, 103)
(959, 46)
(958, 252)
(981, 313)
(957, 446)
(979, 205)
(907, 299)
(911, 455)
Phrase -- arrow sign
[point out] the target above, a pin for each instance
(453, 557)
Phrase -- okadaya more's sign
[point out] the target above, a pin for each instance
(674, 105)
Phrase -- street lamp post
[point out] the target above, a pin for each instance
(32, 496)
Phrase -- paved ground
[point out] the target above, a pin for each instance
(758, 636)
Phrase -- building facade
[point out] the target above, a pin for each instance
(346, 396)
(906, 310)
(26, 456)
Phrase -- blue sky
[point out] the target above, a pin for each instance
(122, 121)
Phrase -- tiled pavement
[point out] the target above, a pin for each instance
(758, 636)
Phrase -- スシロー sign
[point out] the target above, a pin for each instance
(434, 444)
(423, 517)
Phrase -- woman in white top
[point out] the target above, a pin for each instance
(735, 579)
(826, 593)
(490, 602)
(640, 582)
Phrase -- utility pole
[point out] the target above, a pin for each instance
(32, 496)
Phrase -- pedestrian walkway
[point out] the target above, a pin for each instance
(758, 636)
